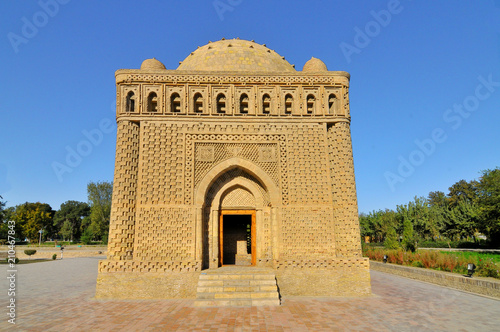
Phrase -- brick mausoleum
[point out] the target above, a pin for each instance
(233, 158)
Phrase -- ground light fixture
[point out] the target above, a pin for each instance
(385, 258)
(471, 268)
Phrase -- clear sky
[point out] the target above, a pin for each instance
(424, 90)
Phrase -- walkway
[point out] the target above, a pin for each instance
(57, 296)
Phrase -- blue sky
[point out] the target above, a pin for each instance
(424, 96)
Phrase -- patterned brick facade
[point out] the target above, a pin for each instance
(258, 136)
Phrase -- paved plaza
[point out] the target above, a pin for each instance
(58, 296)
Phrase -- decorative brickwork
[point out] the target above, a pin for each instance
(161, 177)
(309, 234)
(307, 166)
(149, 266)
(238, 198)
(235, 174)
(322, 264)
(262, 154)
(344, 190)
(122, 224)
(164, 234)
(234, 128)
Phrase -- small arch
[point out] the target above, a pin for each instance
(310, 103)
(221, 103)
(175, 102)
(244, 103)
(236, 162)
(216, 202)
(153, 102)
(288, 103)
(130, 105)
(332, 103)
(266, 104)
(198, 103)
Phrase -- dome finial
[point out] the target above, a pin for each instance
(314, 64)
(152, 64)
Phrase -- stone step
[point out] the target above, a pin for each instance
(238, 295)
(228, 286)
(246, 276)
(236, 302)
(236, 282)
(247, 288)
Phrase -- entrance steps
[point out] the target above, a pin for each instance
(235, 286)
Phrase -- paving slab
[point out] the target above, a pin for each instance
(58, 296)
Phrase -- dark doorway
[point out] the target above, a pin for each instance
(236, 228)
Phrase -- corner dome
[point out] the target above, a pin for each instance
(314, 65)
(235, 55)
(152, 64)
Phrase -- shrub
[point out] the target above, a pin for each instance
(87, 236)
(30, 252)
(16, 260)
(54, 256)
(455, 262)
(391, 240)
(417, 264)
(487, 268)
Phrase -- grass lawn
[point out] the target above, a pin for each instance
(487, 264)
(474, 256)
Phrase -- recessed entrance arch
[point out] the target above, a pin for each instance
(237, 185)
(237, 237)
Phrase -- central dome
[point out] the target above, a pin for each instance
(235, 55)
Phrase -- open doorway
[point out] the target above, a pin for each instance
(237, 237)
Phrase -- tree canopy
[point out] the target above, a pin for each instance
(469, 207)
(99, 199)
(68, 219)
(30, 218)
(74, 221)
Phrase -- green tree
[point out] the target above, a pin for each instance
(87, 236)
(391, 239)
(31, 218)
(377, 224)
(30, 252)
(418, 213)
(462, 190)
(408, 241)
(461, 220)
(488, 190)
(99, 197)
(365, 226)
(3, 221)
(438, 210)
(6, 215)
(437, 199)
(68, 219)
(2, 210)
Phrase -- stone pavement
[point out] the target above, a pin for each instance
(57, 296)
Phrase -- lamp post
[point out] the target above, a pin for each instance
(471, 268)
(40, 240)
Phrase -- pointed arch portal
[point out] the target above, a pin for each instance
(237, 204)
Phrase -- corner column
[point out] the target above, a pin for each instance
(346, 223)
(124, 200)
